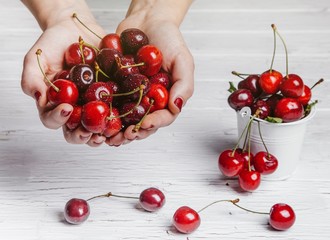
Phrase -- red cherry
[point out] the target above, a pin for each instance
(249, 180)
(262, 107)
(124, 68)
(272, 102)
(282, 216)
(157, 96)
(230, 163)
(306, 96)
(93, 116)
(289, 110)
(246, 156)
(63, 74)
(186, 219)
(63, 91)
(75, 118)
(151, 57)
(114, 124)
(270, 81)
(106, 60)
(76, 211)
(163, 78)
(265, 163)
(152, 199)
(132, 39)
(251, 83)
(112, 41)
(99, 91)
(240, 98)
(73, 55)
(292, 86)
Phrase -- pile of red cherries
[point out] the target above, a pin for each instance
(113, 86)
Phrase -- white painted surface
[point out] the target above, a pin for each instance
(39, 171)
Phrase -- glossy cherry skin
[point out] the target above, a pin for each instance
(82, 75)
(270, 81)
(289, 110)
(75, 118)
(230, 163)
(93, 116)
(73, 55)
(133, 82)
(265, 163)
(132, 39)
(249, 180)
(305, 96)
(152, 59)
(251, 83)
(163, 78)
(99, 91)
(113, 125)
(186, 219)
(135, 116)
(246, 156)
(262, 107)
(76, 211)
(63, 74)
(67, 92)
(158, 96)
(272, 102)
(282, 216)
(112, 41)
(240, 98)
(106, 59)
(292, 86)
(121, 72)
(152, 199)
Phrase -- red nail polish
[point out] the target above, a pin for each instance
(37, 95)
(179, 102)
(65, 113)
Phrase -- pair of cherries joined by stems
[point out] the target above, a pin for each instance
(185, 219)
(278, 99)
(111, 86)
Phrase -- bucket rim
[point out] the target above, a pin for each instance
(247, 110)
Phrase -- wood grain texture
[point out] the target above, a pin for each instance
(39, 171)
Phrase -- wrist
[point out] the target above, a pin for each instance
(159, 10)
(49, 12)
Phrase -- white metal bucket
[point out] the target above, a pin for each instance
(283, 140)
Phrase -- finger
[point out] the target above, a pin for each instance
(116, 140)
(158, 119)
(183, 81)
(57, 117)
(77, 136)
(96, 140)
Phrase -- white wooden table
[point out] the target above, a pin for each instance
(39, 171)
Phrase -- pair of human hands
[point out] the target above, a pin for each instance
(55, 39)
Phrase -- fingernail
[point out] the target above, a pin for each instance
(65, 113)
(84, 138)
(37, 95)
(179, 102)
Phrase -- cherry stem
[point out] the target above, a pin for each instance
(141, 88)
(262, 140)
(232, 87)
(38, 53)
(274, 49)
(286, 50)
(248, 210)
(317, 83)
(74, 15)
(249, 147)
(121, 66)
(138, 125)
(242, 74)
(81, 44)
(120, 94)
(110, 194)
(97, 70)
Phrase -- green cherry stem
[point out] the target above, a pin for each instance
(274, 49)
(74, 15)
(38, 53)
(138, 125)
(110, 194)
(285, 48)
(262, 140)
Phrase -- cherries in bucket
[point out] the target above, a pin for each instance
(273, 98)
(111, 86)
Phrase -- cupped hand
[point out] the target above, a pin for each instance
(177, 60)
(53, 42)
